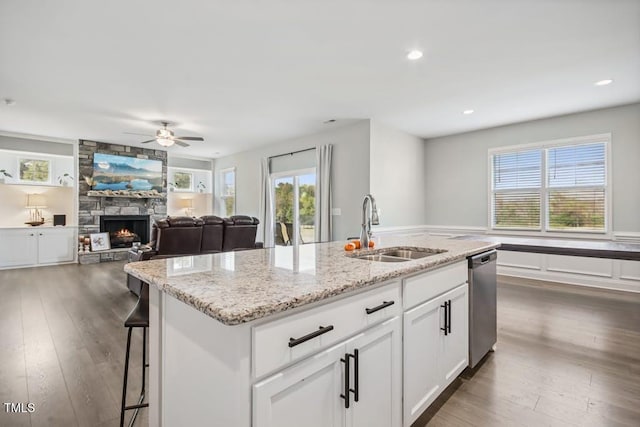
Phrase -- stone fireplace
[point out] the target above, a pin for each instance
(92, 210)
(124, 230)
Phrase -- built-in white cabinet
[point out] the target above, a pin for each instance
(355, 383)
(23, 247)
(436, 338)
(19, 247)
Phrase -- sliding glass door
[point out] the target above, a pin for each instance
(294, 201)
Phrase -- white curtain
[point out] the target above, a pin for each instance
(323, 193)
(266, 205)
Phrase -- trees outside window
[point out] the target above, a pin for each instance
(554, 187)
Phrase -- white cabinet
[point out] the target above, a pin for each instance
(55, 245)
(436, 337)
(24, 247)
(354, 383)
(19, 248)
(379, 374)
(305, 394)
(454, 347)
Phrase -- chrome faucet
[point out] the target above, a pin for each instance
(367, 221)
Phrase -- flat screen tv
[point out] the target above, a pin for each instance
(111, 172)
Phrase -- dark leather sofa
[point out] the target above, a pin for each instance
(181, 236)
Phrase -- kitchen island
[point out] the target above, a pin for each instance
(305, 335)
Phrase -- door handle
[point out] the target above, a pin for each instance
(449, 316)
(347, 388)
(446, 318)
(356, 375)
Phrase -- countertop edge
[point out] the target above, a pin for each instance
(234, 320)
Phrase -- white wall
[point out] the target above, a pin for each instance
(456, 166)
(397, 175)
(350, 172)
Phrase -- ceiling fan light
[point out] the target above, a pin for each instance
(165, 142)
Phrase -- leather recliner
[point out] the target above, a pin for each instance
(179, 235)
(212, 234)
(240, 233)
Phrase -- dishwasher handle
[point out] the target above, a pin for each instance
(483, 258)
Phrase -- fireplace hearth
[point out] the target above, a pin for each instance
(124, 230)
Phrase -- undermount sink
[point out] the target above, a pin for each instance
(381, 258)
(398, 254)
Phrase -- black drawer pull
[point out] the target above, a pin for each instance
(449, 315)
(384, 304)
(322, 330)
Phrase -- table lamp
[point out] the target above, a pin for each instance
(35, 203)
(187, 204)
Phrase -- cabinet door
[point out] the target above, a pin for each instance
(454, 347)
(18, 248)
(55, 245)
(422, 377)
(378, 373)
(306, 394)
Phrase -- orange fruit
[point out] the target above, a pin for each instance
(349, 247)
(371, 243)
(357, 243)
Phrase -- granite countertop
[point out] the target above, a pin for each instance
(238, 287)
(573, 247)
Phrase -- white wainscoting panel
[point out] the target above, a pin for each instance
(601, 267)
(526, 260)
(630, 270)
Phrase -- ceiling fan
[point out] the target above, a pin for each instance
(167, 138)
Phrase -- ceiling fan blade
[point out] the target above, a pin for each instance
(180, 143)
(146, 142)
(135, 133)
(190, 138)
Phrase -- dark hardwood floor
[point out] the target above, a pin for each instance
(566, 356)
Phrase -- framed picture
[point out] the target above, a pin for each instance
(100, 242)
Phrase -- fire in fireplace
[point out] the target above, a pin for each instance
(124, 230)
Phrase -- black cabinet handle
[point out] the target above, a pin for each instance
(322, 330)
(384, 304)
(446, 318)
(345, 395)
(356, 375)
(449, 316)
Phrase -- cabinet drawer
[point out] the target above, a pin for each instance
(423, 287)
(271, 341)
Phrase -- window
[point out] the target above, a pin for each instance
(183, 181)
(227, 190)
(34, 170)
(553, 187)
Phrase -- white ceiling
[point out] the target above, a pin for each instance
(247, 73)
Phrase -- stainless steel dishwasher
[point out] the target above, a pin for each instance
(482, 305)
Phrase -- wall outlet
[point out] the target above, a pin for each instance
(336, 211)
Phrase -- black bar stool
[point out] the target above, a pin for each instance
(138, 318)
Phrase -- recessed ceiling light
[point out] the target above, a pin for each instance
(603, 82)
(467, 112)
(414, 54)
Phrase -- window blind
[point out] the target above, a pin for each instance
(576, 178)
(516, 189)
(563, 187)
